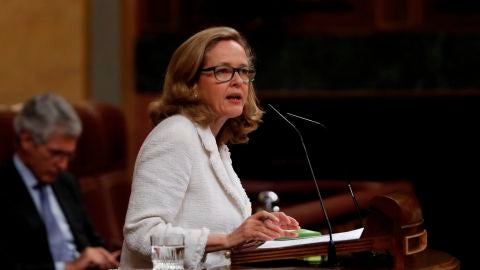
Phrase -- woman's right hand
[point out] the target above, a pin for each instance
(261, 226)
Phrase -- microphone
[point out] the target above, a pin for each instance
(331, 252)
(268, 199)
(349, 185)
(355, 202)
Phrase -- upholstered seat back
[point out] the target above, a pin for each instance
(7, 135)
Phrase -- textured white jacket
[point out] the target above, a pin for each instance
(182, 182)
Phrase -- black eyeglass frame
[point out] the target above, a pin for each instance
(250, 72)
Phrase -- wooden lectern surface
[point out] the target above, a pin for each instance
(394, 238)
(427, 260)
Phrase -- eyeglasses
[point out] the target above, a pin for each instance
(226, 73)
(59, 154)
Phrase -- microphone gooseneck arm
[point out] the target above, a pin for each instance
(332, 253)
(349, 185)
(306, 119)
(355, 202)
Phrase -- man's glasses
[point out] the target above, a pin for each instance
(226, 73)
(59, 154)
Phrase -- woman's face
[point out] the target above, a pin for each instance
(225, 98)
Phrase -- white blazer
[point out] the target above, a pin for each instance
(182, 182)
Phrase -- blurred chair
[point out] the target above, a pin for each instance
(7, 135)
(101, 168)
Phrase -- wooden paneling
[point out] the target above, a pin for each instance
(458, 17)
(43, 48)
(395, 15)
(159, 16)
(311, 17)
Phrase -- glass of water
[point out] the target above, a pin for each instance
(168, 251)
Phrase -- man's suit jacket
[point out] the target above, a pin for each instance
(23, 240)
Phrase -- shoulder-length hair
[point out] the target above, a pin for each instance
(179, 89)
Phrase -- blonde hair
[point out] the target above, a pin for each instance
(179, 89)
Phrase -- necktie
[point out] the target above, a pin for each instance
(58, 243)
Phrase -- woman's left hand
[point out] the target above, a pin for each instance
(286, 222)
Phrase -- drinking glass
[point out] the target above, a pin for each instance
(167, 251)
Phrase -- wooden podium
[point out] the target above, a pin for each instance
(394, 227)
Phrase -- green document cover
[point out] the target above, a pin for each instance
(302, 233)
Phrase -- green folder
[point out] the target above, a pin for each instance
(302, 233)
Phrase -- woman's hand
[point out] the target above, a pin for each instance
(286, 222)
(262, 226)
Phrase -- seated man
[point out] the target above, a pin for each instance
(44, 225)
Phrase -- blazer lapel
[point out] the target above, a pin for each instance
(23, 201)
(228, 179)
(63, 199)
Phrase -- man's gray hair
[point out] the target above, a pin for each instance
(44, 114)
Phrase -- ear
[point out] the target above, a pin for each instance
(195, 91)
(26, 141)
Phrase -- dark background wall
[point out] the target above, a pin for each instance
(430, 140)
(401, 61)
(395, 82)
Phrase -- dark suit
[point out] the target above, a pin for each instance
(23, 240)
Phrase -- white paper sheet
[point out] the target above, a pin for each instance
(343, 236)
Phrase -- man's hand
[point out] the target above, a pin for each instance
(94, 258)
